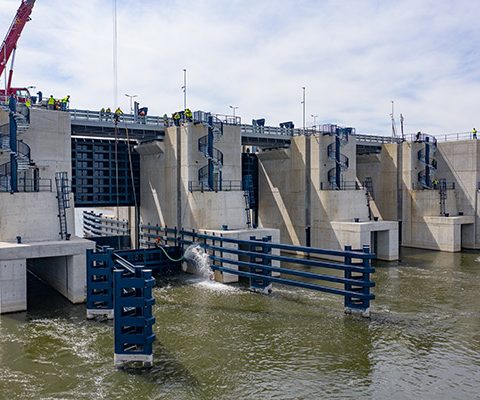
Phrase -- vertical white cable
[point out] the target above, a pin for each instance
(115, 56)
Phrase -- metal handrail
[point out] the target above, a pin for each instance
(448, 137)
(362, 138)
(344, 185)
(27, 185)
(220, 186)
(89, 115)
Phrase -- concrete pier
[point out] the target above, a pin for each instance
(29, 219)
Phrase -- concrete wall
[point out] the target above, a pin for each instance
(49, 137)
(383, 169)
(33, 216)
(160, 171)
(423, 227)
(13, 285)
(282, 200)
(281, 184)
(459, 162)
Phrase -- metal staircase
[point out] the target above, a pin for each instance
(63, 198)
(20, 153)
(210, 175)
(426, 156)
(335, 177)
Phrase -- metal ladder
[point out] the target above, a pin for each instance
(442, 190)
(63, 198)
(248, 195)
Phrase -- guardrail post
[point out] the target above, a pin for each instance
(133, 326)
(100, 283)
(366, 263)
(257, 284)
(348, 275)
(358, 304)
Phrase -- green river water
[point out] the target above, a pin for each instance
(219, 342)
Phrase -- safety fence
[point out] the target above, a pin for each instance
(119, 283)
(98, 225)
(447, 185)
(258, 259)
(26, 185)
(444, 137)
(344, 185)
(218, 186)
(98, 116)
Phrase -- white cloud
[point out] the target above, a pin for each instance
(354, 57)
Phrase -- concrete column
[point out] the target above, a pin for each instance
(308, 190)
(179, 178)
(13, 285)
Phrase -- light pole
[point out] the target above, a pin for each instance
(308, 177)
(184, 87)
(131, 96)
(314, 119)
(303, 104)
(233, 108)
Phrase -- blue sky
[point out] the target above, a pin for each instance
(354, 57)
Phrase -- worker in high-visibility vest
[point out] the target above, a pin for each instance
(51, 103)
(28, 103)
(474, 133)
(188, 115)
(64, 103)
(116, 115)
(176, 118)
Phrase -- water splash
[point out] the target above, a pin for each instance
(197, 263)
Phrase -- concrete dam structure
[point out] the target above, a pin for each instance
(327, 187)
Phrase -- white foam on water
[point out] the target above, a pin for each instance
(217, 286)
(197, 261)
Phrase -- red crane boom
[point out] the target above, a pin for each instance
(9, 45)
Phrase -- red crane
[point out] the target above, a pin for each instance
(9, 47)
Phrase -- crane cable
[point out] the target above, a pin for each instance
(115, 101)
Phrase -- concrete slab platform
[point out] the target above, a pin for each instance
(358, 234)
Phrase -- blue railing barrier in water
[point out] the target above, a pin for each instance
(259, 260)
